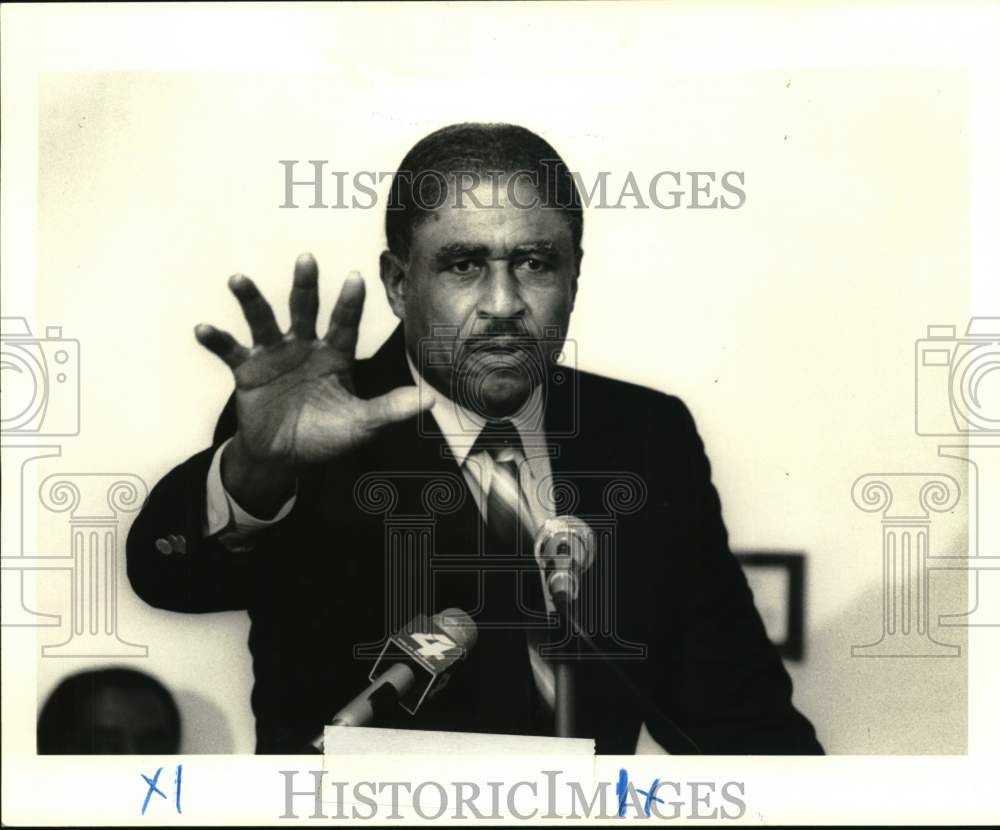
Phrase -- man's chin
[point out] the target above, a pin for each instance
(496, 397)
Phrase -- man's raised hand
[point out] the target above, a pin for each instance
(295, 399)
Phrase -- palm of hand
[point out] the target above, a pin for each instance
(295, 399)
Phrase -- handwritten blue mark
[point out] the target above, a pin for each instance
(621, 790)
(177, 787)
(651, 795)
(152, 789)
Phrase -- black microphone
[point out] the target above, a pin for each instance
(411, 667)
(565, 548)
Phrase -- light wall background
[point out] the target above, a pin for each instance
(788, 326)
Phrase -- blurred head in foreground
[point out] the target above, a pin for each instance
(109, 712)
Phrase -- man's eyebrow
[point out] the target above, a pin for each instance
(536, 246)
(454, 250)
(469, 250)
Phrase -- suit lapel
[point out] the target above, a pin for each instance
(432, 493)
(580, 468)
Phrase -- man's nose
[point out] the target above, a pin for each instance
(501, 292)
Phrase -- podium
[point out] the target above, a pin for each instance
(411, 773)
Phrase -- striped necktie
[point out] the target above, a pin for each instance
(497, 685)
(509, 533)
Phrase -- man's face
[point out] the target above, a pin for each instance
(486, 296)
(125, 723)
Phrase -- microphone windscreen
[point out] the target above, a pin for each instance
(565, 542)
(459, 626)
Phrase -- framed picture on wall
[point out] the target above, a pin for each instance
(777, 580)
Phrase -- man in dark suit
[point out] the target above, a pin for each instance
(341, 497)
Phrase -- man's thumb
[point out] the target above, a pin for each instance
(398, 405)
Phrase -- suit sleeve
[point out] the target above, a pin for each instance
(723, 678)
(206, 576)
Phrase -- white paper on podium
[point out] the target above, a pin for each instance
(454, 759)
(363, 740)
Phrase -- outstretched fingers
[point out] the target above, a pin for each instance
(342, 334)
(256, 309)
(304, 300)
(222, 344)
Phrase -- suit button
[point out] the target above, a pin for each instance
(172, 544)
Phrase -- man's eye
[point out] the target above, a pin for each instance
(465, 267)
(533, 265)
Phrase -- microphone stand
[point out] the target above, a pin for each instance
(565, 704)
(563, 588)
(677, 741)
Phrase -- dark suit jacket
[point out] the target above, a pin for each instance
(666, 598)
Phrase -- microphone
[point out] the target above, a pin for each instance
(565, 548)
(412, 666)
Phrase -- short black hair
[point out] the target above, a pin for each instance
(64, 720)
(420, 183)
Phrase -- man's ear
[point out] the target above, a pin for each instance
(392, 270)
(576, 279)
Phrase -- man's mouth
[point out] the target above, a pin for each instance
(498, 345)
(515, 356)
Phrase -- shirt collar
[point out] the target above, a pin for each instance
(461, 426)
